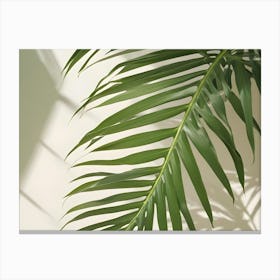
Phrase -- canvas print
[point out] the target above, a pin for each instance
(159, 140)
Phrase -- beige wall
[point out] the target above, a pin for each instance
(47, 103)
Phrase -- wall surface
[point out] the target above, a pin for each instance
(47, 133)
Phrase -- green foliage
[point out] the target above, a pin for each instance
(203, 78)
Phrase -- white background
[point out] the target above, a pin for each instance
(199, 24)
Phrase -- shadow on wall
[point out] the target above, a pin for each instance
(36, 87)
(234, 217)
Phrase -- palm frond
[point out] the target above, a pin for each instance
(201, 80)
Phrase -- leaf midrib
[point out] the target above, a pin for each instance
(176, 137)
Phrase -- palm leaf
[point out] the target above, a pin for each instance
(201, 80)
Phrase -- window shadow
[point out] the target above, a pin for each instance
(37, 95)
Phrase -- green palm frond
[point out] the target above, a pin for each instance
(201, 81)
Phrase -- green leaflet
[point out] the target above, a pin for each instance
(244, 87)
(236, 104)
(116, 178)
(140, 222)
(108, 200)
(112, 56)
(217, 103)
(255, 56)
(83, 141)
(202, 142)
(93, 174)
(190, 164)
(77, 55)
(218, 128)
(87, 61)
(175, 167)
(142, 120)
(124, 184)
(224, 79)
(172, 202)
(257, 74)
(150, 215)
(107, 210)
(119, 222)
(136, 158)
(161, 206)
(138, 139)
